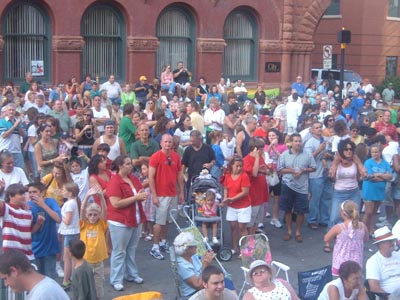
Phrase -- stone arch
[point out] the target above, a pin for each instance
(310, 18)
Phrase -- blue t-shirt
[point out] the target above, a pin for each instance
(45, 240)
(187, 270)
(219, 156)
(375, 190)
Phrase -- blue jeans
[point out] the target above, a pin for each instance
(170, 88)
(32, 159)
(47, 266)
(19, 160)
(321, 190)
(338, 198)
(124, 244)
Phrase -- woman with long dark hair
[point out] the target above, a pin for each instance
(86, 133)
(183, 130)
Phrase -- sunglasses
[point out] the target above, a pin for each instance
(169, 160)
(330, 120)
(348, 149)
(354, 130)
(92, 215)
(87, 115)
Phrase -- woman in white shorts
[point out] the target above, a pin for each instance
(236, 197)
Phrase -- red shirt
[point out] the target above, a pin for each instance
(117, 187)
(261, 133)
(167, 171)
(258, 184)
(387, 129)
(234, 187)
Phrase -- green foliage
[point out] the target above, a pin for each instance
(396, 86)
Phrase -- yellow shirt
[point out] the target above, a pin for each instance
(53, 190)
(93, 235)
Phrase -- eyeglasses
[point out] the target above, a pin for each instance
(151, 102)
(169, 160)
(330, 120)
(259, 272)
(348, 149)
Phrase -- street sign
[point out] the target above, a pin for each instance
(327, 56)
(327, 51)
(327, 64)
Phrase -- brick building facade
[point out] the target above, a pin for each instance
(267, 41)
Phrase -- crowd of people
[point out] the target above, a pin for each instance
(105, 164)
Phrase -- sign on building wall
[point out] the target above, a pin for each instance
(37, 68)
(327, 56)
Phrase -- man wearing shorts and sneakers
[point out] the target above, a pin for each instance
(295, 165)
(165, 171)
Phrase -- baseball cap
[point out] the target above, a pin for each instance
(142, 78)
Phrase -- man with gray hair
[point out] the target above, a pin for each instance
(243, 137)
(11, 131)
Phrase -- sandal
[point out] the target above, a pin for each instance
(287, 237)
(299, 238)
(327, 249)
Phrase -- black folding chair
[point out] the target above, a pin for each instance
(373, 295)
(312, 282)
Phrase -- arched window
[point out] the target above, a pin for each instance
(103, 30)
(240, 54)
(26, 33)
(176, 33)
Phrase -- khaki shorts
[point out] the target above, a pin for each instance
(162, 211)
(98, 274)
(257, 214)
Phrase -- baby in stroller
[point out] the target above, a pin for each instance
(209, 209)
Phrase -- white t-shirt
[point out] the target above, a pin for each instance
(339, 285)
(184, 136)
(216, 116)
(103, 113)
(384, 269)
(73, 228)
(46, 287)
(32, 133)
(16, 176)
(82, 180)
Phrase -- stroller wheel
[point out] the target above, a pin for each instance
(225, 254)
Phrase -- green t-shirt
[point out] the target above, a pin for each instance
(127, 132)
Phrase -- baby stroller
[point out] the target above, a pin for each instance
(193, 212)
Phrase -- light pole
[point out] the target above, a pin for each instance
(343, 37)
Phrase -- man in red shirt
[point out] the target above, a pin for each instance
(165, 171)
(385, 127)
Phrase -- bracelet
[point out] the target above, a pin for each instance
(51, 161)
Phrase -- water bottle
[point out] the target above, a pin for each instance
(228, 83)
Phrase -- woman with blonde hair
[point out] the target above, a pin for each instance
(350, 237)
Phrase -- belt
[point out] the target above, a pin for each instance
(85, 146)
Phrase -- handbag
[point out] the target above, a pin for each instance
(272, 179)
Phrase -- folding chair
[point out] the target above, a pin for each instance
(373, 295)
(174, 268)
(151, 295)
(254, 247)
(312, 282)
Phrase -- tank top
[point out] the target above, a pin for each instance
(245, 144)
(346, 178)
(280, 292)
(115, 150)
(86, 87)
(48, 155)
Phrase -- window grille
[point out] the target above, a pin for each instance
(103, 31)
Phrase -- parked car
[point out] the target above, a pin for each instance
(349, 76)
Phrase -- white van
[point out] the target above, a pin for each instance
(349, 76)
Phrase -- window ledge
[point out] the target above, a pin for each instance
(393, 19)
(332, 16)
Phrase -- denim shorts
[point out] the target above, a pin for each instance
(292, 200)
(69, 237)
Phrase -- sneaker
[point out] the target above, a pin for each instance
(260, 225)
(205, 240)
(383, 223)
(137, 279)
(118, 287)
(381, 219)
(156, 254)
(276, 223)
(59, 270)
(66, 285)
(215, 240)
(165, 247)
(268, 215)
(149, 237)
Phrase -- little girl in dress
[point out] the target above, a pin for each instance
(350, 237)
(149, 209)
(210, 207)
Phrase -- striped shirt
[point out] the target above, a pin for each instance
(17, 229)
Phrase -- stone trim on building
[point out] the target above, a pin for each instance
(142, 44)
(67, 43)
(211, 45)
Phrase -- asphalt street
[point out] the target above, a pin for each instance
(299, 256)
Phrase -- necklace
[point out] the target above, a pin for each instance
(89, 133)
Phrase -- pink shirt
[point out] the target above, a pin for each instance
(346, 178)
